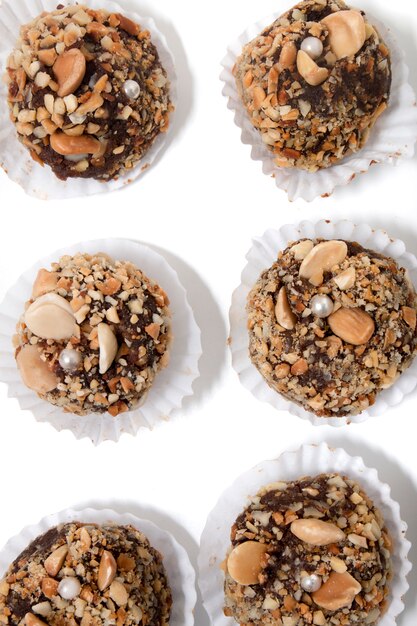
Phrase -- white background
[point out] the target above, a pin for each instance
(201, 203)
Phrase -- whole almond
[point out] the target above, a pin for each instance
(50, 317)
(354, 326)
(55, 561)
(310, 71)
(106, 571)
(67, 145)
(245, 562)
(108, 346)
(337, 592)
(316, 532)
(347, 32)
(322, 258)
(69, 70)
(300, 250)
(283, 313)
(36, 373)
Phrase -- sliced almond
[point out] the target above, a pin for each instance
(346, 280)
(45, 282)
(50, 317)
(310, 71)
(69, 70)
(317, 533)
(107, 345)
(118, 593)
(32, 620)
(36, 373)
(67, 145)
(283, 313)
(55, 561)
(337, 592)
(106, 571)
(354, 326)
(322, 258)
(300, 250)
(246, 562)
(347, 32)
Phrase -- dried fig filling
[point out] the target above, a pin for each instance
(331, 324)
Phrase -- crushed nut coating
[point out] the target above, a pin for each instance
(336, 365)
(347, 551)
(312, 112)
(136, 589)
(69, 96)
(110, 322)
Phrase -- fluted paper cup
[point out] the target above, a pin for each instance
(262, 255)
(309, 460)
(392, 139)
(180, 573)
(15, 159)
(171, 385)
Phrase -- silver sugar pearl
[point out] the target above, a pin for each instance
(311, 583)
(312, 46)
(70, 360)
(131, 89)
(69, 588)
(321, 306)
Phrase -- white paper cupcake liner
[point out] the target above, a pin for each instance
(15, 159)
(261, 256)
(309, 460)
(171, 385)
(392, 138)
(180, 573)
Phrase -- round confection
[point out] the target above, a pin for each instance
(94, 335)
(331, 324)
(311, 551)
(314, 83)
(87, 574)
(87, 92)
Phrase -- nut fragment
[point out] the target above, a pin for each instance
(316, 532)
(322, 258)
(310, 71)
(32, 620)
(346, 280)
(71, 144)
(118, 593)
(108, 346)
(49, 587)
(410, 316)
(347, 32)
(45, 282)
(337, 592)
(55, 561)
(50, 317)
(300, 250)
(283, 313)
(36, 373)
(69, 70)
(126, 563)
(245, 562)
(288, 55)
(354, 326)
(106, 571)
